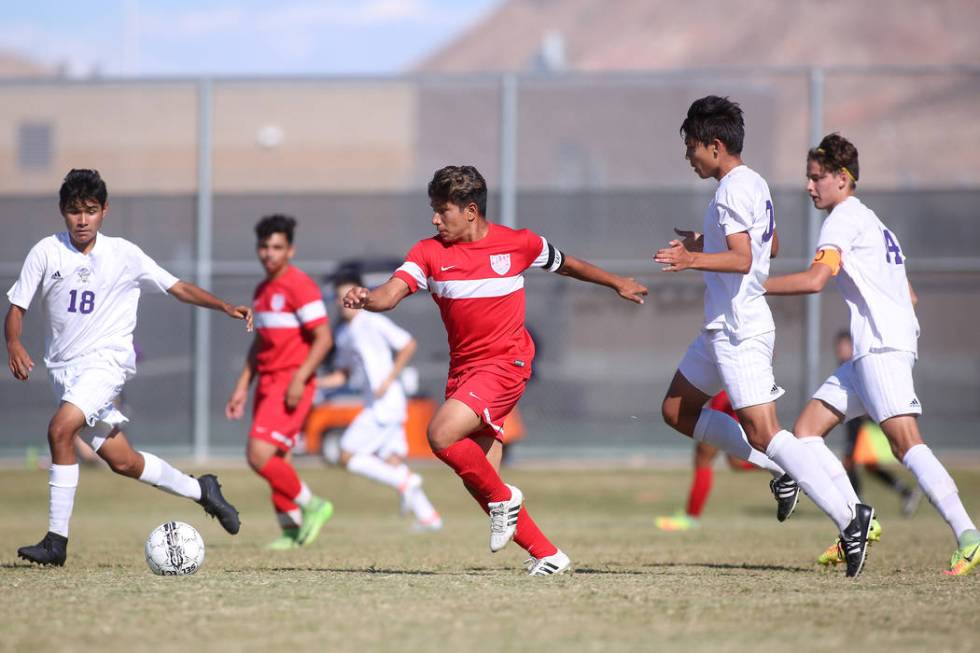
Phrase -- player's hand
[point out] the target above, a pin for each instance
(235, 408)
(294, 393)
(356, 297)
(693, 240)
(632, 290)
(241, 313)
(675, 257)
(382, 389)
(20, 362)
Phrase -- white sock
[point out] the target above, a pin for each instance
(720, 430)
(62, 483)
(817, 447)
(161, 474)
(378, 470)
(939, 486)
(423, 509)
(304, 497)
(796, 459)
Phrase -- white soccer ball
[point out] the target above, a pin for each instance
(174, 549)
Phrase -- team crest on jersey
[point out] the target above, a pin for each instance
(278, 302)
(500, 263)
(83, 274)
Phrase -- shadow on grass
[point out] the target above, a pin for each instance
(338, 570)
(704, 565)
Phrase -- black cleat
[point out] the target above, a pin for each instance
(854, 539)
(216, 505)
(52, 550)
(787, 494)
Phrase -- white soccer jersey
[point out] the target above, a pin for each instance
(733, 302)
(365, 346)
(872, 279)
(89, 300)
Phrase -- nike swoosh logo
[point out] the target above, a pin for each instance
(973, 555)
(446, 267)
(474, 396)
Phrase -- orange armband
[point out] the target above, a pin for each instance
(829, 257)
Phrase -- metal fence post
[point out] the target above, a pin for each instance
(812, 329)
(508, 150)
(202, 317)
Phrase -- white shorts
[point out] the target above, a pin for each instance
(744, 368)
(93, 390)
(367, 435)
(878, 384)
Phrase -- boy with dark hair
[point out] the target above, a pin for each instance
(375, 350)
(474, 270)
(868, 262)
(734, 348)
(90, 287)
(291, 339)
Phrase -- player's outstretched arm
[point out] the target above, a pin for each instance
(800, 283)
(738, 258)
(18, 360)
(627, 287)
(191, 294)
(383, 298)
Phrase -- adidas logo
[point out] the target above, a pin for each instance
(914, 403)
(775, 389)
(57, 275)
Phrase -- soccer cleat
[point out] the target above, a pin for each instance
(911, 500)
(679, 522)
(216, 505)
(834, 555)
(503, 519)
(964, 559)
(787, 494)
(285, 541)
(854, 539)
(431, 525)
(52, 550)
(556, 563)
(317, 513)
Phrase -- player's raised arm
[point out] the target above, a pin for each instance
(18, 359)
(737, 258)
(627, 287)
(191, 294)
(383, 298)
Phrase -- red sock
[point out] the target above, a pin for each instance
(281, 477)
(527, 536)
(700, 489)
(470, 463)
(283, 503)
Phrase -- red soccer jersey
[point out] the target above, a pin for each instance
(286, 311)
(479, 288)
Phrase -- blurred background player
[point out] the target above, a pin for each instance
(474, 271)
(868, 262)
(90, 288)
(859, 433)
(291, 339)
(734, 349)
(704, 458)
(374, 444)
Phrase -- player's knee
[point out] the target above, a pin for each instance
(60, 432)
(439, 437)
(671, 412)
(256, 460)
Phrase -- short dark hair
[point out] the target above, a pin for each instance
(837, 154)
(460, 185)
(276, 223)
(843, 334)
(346, 276)
(714, 117)
(81, 185)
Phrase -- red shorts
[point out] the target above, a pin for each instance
(272, 422)
(491, 391)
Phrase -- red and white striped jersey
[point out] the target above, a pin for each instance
(286, 311)
(479, 288)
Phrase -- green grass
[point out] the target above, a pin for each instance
(741, 582)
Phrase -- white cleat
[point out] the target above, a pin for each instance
(432, 525)
(412, 483)
(556, 563)
(503, 519)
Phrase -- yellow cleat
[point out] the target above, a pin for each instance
(964, 559)
(679, 522)
(315, 515)
(833, 555)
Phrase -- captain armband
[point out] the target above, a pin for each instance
(555, 259)
(829, 257)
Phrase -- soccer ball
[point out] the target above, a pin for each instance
(174, 549)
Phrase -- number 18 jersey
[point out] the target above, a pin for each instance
(89, 300)
(872, 279)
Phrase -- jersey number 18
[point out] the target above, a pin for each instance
(84, 304)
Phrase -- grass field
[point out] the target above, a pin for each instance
(741, 582)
